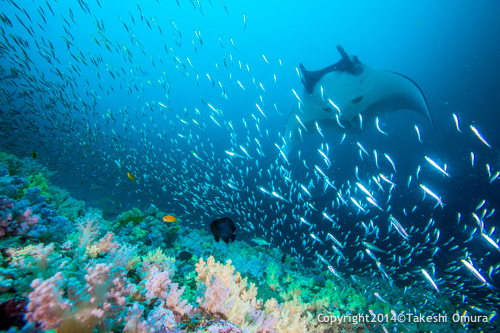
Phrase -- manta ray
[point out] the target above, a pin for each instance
(348, 97)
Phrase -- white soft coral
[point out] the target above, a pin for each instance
(89, 230)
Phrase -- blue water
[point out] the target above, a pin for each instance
(78, 97)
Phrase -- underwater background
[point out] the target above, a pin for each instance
(127, 128)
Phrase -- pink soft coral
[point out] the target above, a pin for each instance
(5, 223)
(5, 215)
(100, 278)
(5, 203)
(134, 322)
(159, 286)
(104, 245)
(216, 297)
(18, 224)
(106, 291)
(160, 319)
(26, 221)
(47, 305)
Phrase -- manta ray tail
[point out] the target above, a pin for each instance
(309, 78)
(342, 52)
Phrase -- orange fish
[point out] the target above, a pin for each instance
(131, 176)
(169, 218)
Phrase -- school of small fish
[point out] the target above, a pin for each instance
(141, 100)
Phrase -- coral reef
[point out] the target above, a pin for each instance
(66, 268)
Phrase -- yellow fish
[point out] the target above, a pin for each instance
(169, 218)
(131, 176)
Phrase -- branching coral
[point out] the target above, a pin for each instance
(99, 303)
(229, 294)
(272, 276)
(134, 322)
(159, 319)
(293, 317)
(216, 298)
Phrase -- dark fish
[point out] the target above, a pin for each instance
(223, 228)
(184, 256)
(33, 154)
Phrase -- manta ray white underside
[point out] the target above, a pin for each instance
(349, 96)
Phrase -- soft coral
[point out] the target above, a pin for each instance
(101, 304)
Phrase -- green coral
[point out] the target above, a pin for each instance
(155, 212)
(272, 275)
(73, 237)
(38, 180)
(134, 216)
(138, 234)
(11, 163)
(36, 173)
(344, 295)
(189, 281)
(66, 205)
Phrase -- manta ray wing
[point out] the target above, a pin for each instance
(347, 97)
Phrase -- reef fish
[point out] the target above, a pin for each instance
(261, 241)
(223, 228)
(184, 256)
(169, 218)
